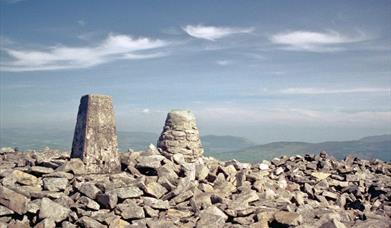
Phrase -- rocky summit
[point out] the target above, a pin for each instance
(174, 185)
(51, 189)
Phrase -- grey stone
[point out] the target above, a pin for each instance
(75, 165)
(55, 184)
(89, 189)
(66, 224)
(13, 200)
(161, 224)
(156, 203)
(41, 170)
(88, 222)
(95, 138)
(107, 200)
(53, 210)
(119, 223)
(288, 218)
(88, 203)
(155, 189)
(23, 178)
(5, 211)
(46, 223)
(152, 161)
(212, 217)
(127, 192)
(241, 201)
(130, 210)
(333, 223)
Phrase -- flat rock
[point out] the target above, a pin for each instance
(13, 200)
(212, 217)
(24, 178)
(130, 210)
(88, 203)
(88, 222)
(53, 210)
(89, 189)
(156, 203)
(55, 184)
(46, 223)
(288, 218)
(320, 175)
(5, 211)
(119, 223)
(41, 170)
(75, 165)
(152, 161)
(127, 192)
(333, 223)
(155, 189)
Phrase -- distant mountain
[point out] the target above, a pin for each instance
(221, 147)
(217, 144)
(26, 139)
(366, 148)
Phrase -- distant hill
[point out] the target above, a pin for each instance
(217, 144)
(222, 147)
(368, 148)
(58, 139)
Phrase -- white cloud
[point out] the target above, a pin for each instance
(114, 47)
(223, 62)
(213, 33)
(146, 110)
(240, 115)
(315, 41)
(81, 22)
(11, 1)
(319, 91)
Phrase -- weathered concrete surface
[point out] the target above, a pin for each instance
(180, 135)
(95, 138)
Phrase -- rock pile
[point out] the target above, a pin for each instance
(50, 189)
(180, 135)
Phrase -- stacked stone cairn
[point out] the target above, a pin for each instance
(50, 188)
(180, 135)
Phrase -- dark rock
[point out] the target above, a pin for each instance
(357, 204)
(107, 200)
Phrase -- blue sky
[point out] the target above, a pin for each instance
(266, 70)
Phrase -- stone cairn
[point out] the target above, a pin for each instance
(95, 138)
(180, 135)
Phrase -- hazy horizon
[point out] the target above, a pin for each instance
(267, 71)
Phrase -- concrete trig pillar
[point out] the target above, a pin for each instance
(95, 137)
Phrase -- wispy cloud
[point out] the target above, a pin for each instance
(11, 1)
(81, 22)
(223, 62)
(244, 115)
(213, 33)
(319, 91)
(114, 47)
(315, 41)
